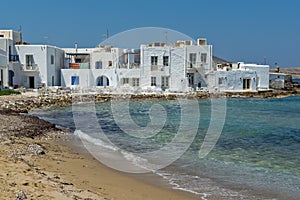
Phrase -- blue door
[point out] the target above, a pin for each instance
(102, 81)
(75, 80)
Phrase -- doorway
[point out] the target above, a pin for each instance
(11, 75)
(246, 83)
(191, 79)
(31, 81)
(102, 81)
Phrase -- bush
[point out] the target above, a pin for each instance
(8, 92)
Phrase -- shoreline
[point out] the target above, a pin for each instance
(27, 101)
(68, 179)
(42, 166)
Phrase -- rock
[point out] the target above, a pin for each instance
(36, 149)
(21, 195)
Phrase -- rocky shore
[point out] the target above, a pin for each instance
(25, 142)
(24, 103)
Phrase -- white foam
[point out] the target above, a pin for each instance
(94, 141)
(131, 157)
(176, 186)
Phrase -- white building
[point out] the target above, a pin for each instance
(8, 56)
(179, 67)
(40, 66)
(31, 66)
(239, 77)
(90, 67)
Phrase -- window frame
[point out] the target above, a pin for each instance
(154, 60)
(153, 81)
(165, 61)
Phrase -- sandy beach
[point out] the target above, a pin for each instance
(36, 165)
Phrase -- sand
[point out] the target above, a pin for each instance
(39, 165)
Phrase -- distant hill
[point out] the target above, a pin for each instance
(220, 60)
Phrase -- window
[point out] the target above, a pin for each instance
(98, 65)
(52, 59)
(166, 60)
(124, 81)
(191, 79)
(153, 81)
(246, 83)
(203, 57)
(137, 58)
(220, 81)
(164, 82)
(29, 60)
(135, 82)
(110, 63)
(53, 81)
(154, 60)
(193, 57)
(75, 80)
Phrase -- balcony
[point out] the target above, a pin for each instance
(134, 66)
(79, 65)
(31, 67)
(13, 58)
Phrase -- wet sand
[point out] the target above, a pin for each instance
(37, 165)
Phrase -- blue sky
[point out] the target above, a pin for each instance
(239, 30)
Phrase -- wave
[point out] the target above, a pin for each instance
(130, 157)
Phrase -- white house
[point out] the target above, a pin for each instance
(239, 77)
(90, 67)
(179, 67)
(8, 56)
(40, 66)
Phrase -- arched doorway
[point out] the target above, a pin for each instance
(102, 81)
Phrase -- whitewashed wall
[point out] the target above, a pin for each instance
(262, 73)
(42, 58)
(231, 80)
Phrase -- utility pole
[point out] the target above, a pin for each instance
(107, 35)
(166, 37)
(20, 30)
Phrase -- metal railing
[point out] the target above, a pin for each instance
(13, 58)
(30, 67)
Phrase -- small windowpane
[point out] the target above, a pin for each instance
(52, 59)
(154, 60)
(166, 60)
(153, 81)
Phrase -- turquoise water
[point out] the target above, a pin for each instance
(256, 156)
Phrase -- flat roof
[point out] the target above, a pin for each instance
(78, 53)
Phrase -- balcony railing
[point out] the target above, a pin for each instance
(131, 65)
(13, 58)
(134, 66)
(31, 67)
(161, 68)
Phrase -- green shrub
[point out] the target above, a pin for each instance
(8, 92)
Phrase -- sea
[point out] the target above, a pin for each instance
(256, 155)
(296, 80)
